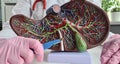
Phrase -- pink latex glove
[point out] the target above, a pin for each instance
(111, 51)
(17, 50)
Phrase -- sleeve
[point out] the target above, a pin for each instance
(22, 7)
(53, 2)
(61, 2)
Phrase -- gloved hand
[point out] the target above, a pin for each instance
(20, 50)
(111, 51)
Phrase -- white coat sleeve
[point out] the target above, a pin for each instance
(61, 2)
(22, 7)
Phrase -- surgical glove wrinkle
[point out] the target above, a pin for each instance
(111, 51)
(17, 50)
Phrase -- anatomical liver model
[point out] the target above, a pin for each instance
(80, 25)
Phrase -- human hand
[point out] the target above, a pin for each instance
(111, 51)
(17, 50)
